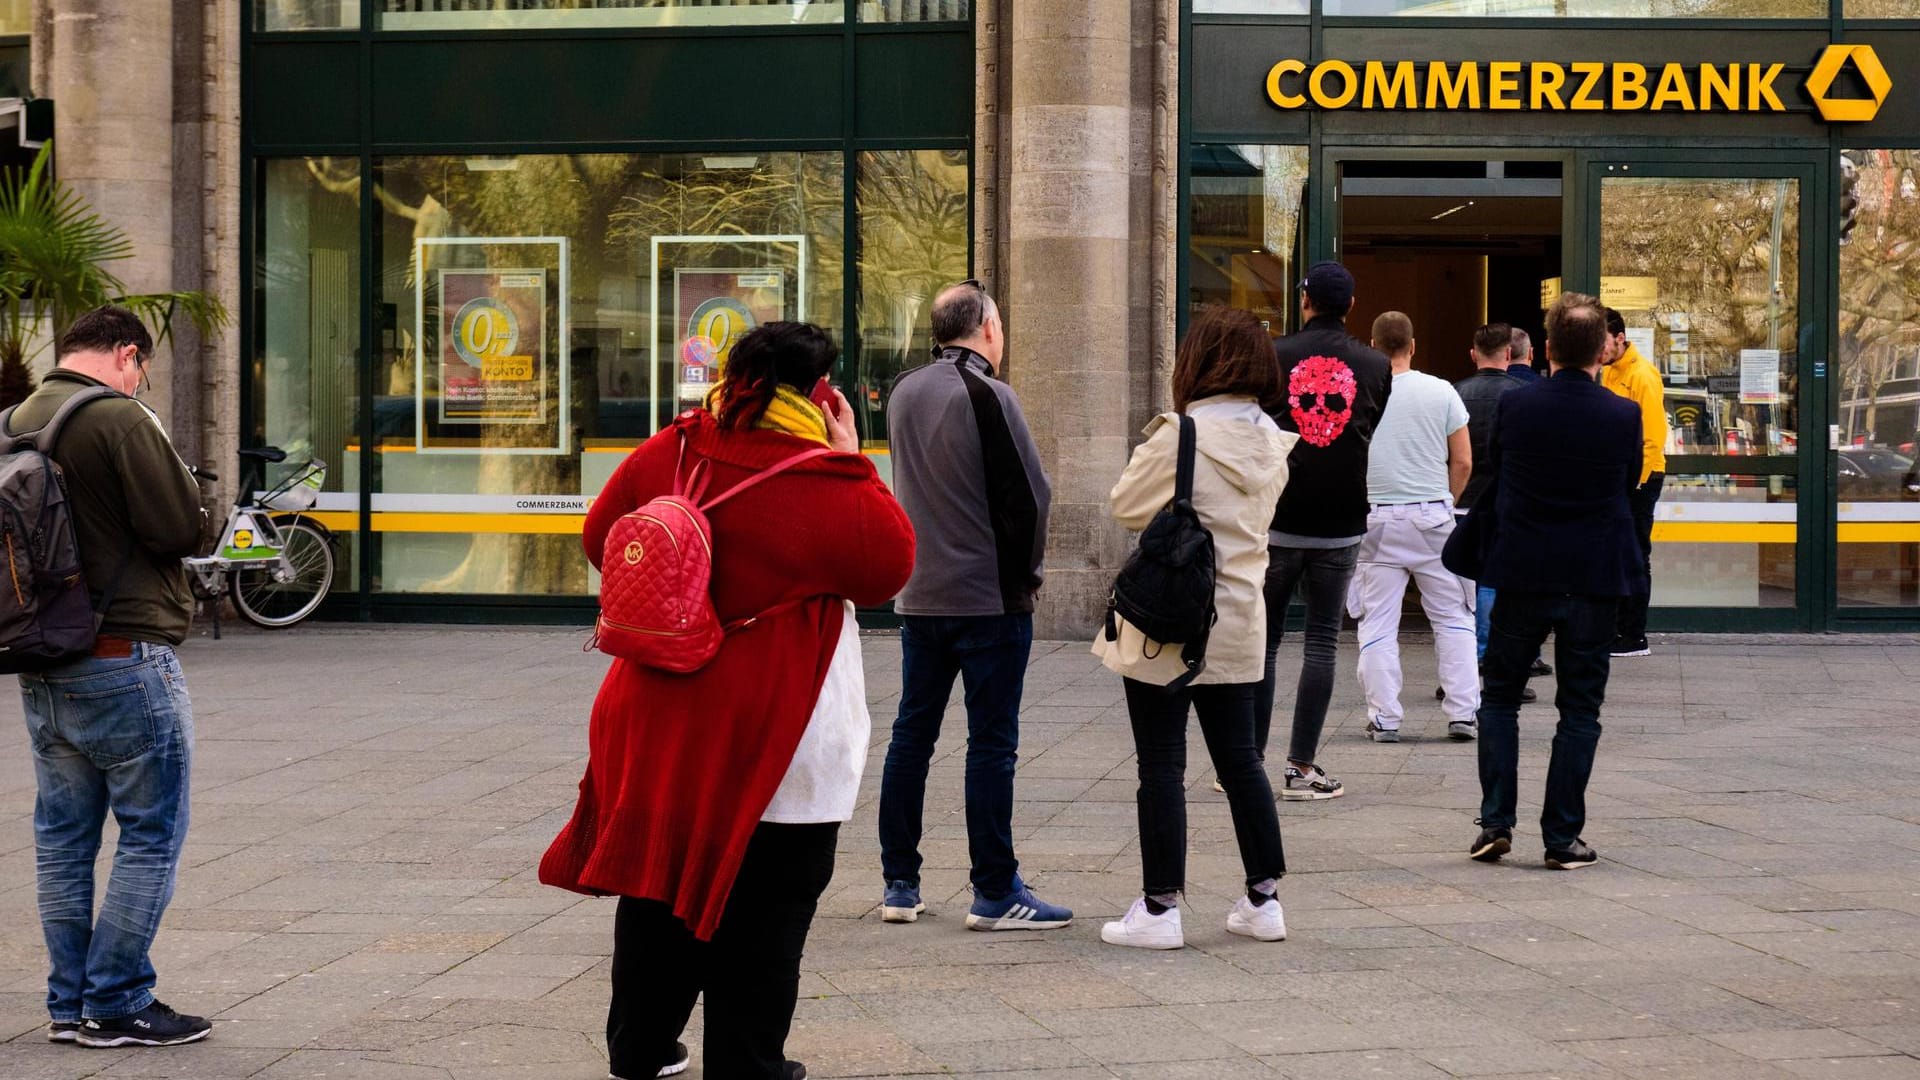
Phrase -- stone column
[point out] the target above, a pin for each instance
(1080, 272)
(109, 70)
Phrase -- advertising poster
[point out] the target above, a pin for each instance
(493, 347)
(712, 309)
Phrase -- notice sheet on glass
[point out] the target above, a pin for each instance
(1759, 376)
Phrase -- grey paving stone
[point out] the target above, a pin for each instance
(358, 899)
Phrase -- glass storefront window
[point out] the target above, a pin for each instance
(913, 208)
(1706, 273)
(582, 14)
(897, 11)
(1881, 9)
(1589, 9)
(1250, 7)
(1878, 379)
(306, 14)
(305, 381)
(543, 314)
(16, 17)
(1246, 224)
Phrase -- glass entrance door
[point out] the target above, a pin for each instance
(1710, 266)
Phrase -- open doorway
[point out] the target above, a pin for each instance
(1453, 244)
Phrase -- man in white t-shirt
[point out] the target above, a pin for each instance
(1420, 463)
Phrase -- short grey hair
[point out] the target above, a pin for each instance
(959, 312)
(1522, 345)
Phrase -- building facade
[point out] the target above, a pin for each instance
(479, 249)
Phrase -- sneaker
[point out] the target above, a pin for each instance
(1527, 696)
(1572, 858)
(1462, 730)
(1493, 842)
(681, 1060)
(1314, 784)
(901, 902)
(63, 1031)
(1624, 646)
(793, 1070)
(1142, 929)
(1219, 787)
(1382, 734)
(1021, 911)
(1540, 669)
(155, 1025)
(1263, 922)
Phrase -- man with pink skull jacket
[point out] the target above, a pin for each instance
(1336, 388)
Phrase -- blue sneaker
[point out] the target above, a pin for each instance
(901, 903)
(1020, 911)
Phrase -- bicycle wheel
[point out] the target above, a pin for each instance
(263, 601)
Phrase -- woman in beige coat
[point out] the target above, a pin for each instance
(1224, 372)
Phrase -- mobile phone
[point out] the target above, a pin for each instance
(822, 396)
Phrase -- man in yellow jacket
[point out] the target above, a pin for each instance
(1634, 377)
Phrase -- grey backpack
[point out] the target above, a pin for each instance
(47, 617)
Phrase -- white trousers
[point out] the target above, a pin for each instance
(1404, 542)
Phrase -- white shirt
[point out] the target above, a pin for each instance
(823, 782)
(1407, 462)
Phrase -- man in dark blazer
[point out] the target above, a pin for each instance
(1561, 551)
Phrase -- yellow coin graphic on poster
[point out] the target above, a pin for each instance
(484, 327)
(722, 320)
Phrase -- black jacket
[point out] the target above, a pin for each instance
(1481, 391)
(1336, 387)
(1566, 453)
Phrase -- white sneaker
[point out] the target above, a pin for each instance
(1142, 929)
(1263, 923)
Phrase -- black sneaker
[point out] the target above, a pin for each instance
(1572, 858)
(793, 1070)
(155, 1025)
(63, 1031)
(681, 1059)
(1626, 646)
(1493, 842)
(1539, 669)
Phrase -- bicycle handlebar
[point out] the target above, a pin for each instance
(201, 473)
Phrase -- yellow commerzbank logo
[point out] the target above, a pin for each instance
(1581, 86)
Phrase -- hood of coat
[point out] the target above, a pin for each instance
(1242, 442)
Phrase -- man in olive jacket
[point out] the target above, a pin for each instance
(114, 731)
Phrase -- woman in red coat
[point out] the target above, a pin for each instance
(712, 801)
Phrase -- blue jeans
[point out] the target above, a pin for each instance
(108, 734)
(1482, 616)
(989, 654)
(1582, 627)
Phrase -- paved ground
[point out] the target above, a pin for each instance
(359, 902)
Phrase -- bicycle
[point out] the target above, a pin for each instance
(276, 563)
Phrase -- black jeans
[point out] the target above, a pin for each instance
(1322, 576)
(1582, 628)
(750, 971)
(1631, 622)
(989, 654)
(1159, 718)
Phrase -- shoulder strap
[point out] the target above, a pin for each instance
(772, 470)
(1183, 475)
(49, 434)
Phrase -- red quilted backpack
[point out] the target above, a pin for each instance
(656, 608)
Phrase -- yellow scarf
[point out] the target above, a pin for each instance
(788, 412)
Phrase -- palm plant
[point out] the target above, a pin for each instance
(54, 251)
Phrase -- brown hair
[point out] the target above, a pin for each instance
(1578, 336)
(792, 354)
(1226, 351)
(1392, 333)
(1568, 300)
(1493, 339)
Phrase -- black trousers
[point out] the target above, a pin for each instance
(1631, 620)
(1159, 716)
(750, 971)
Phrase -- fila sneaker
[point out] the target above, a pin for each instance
(155, 1025)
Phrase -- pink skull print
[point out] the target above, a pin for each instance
(1320, 393)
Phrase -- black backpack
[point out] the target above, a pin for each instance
(1166, 588)
(47, 617)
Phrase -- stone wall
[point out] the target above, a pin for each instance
(1075, 173)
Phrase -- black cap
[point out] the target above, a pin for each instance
(1329, 288)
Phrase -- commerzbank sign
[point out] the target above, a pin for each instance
(1580, 86)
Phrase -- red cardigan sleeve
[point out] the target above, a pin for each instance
(630, 485)
(875, 567)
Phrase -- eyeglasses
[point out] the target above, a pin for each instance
(145, 360)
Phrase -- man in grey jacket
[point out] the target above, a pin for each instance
(967, 471)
